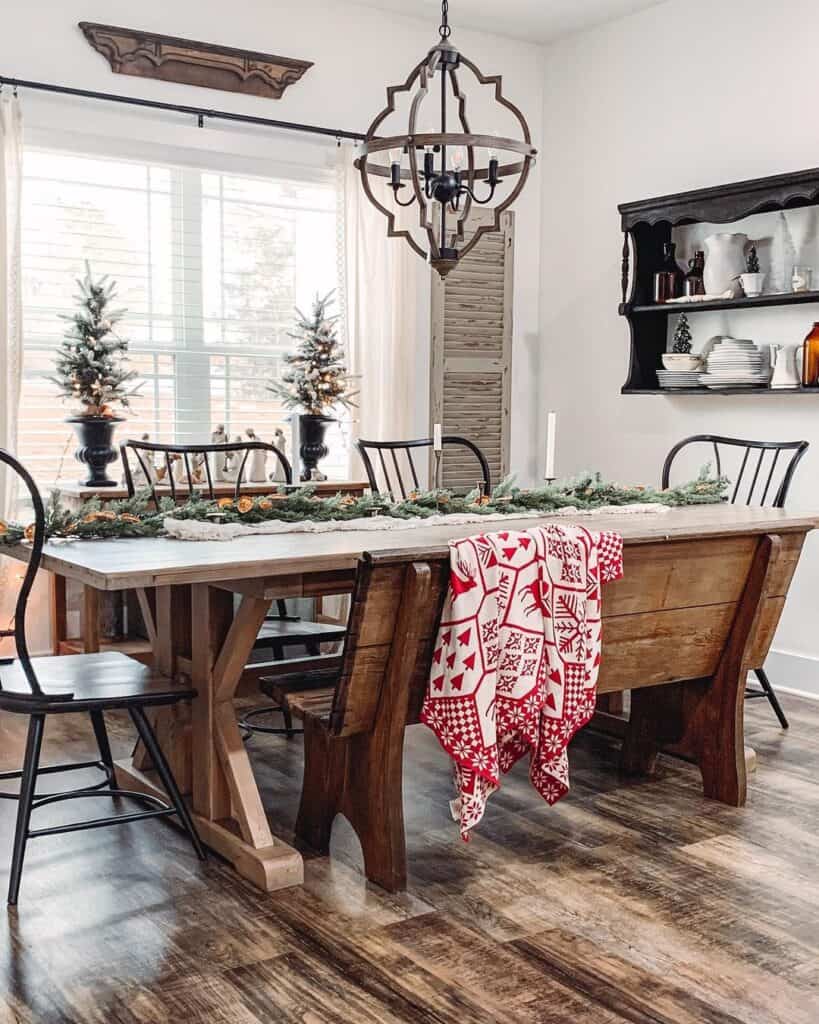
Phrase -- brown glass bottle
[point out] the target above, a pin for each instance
(693, 279)
(668, 281)
(810, 359)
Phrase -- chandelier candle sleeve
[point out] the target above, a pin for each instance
(551, 429)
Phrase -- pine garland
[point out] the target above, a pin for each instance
(137, 517)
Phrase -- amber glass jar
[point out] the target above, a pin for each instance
(810, 359)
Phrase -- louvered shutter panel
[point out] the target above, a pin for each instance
(472, 355)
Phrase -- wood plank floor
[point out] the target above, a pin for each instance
(636, 902)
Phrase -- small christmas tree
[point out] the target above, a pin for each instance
(752, 261)
(91, 360)
(682, 335)
(316, 379)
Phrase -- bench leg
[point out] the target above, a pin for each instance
(324, 771)
(373, 803)
(702, 719)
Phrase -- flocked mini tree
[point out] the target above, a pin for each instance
(316, 378)
(682, 335)
(91, 362)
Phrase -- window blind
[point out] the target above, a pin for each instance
(209, 266)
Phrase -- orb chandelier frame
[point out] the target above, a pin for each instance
(443, 177)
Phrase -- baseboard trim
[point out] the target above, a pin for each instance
(793, 673)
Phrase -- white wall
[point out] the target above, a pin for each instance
(684, 95)
(357, 53)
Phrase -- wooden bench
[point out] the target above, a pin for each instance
(680, 630)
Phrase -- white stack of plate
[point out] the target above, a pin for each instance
(679, 378)
(734, 363)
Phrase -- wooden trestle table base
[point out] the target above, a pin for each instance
(702, 594)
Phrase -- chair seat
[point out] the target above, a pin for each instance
(280, 688)
(84, 682)
(305, 693)
(290, 631)
(312, 703)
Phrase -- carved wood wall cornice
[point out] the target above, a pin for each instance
(149, 55)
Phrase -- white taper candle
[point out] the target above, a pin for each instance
(551, 430)
(437, 443)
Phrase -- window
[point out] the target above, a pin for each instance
(209, 267)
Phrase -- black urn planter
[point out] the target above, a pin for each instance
(95, 434)
(311, 442)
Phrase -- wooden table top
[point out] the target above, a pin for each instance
(121, 564)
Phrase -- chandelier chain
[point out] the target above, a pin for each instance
(443, 29)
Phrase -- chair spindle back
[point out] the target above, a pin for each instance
(145, 451)
(383, 463)
(761, 475)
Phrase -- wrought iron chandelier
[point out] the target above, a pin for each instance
(444, 176)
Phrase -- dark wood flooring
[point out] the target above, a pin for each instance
(637, 902)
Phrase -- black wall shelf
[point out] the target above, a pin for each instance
(647, 227)
(706, 392)
(784, 299)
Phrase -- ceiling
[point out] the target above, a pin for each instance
(537, 21)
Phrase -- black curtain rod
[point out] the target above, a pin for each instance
(200, 113)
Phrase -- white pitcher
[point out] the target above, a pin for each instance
(786, 366)
(724, 262)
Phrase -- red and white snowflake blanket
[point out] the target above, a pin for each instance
(515, 665)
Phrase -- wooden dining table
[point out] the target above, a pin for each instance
(702, 594)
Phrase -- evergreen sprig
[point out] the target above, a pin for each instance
(682, 335)
(91, 361)
(137, 517)
(316, 379)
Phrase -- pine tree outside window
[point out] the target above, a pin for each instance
(208, 265)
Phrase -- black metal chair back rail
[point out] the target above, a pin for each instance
(145, 451)
(393, 479)
(84, 683)
(755, 453)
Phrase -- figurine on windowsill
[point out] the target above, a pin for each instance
(280, 442)
(219, 436)
(258, 460)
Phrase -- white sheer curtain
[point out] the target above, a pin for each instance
(381, 280)
(11, 342)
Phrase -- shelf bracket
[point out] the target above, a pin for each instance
(624, 267)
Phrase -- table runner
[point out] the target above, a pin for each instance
(193, 529)
(515, 664)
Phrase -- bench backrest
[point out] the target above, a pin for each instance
(396, 608)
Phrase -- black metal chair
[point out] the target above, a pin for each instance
(279, 631)
(392, 479)
(83, 683)
(761, 483)
(145, 453)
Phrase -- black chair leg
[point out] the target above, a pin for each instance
(765, 683)
(146, 734)
(101, 733)
(27, 785)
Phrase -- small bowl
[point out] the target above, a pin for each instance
(681, 361)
